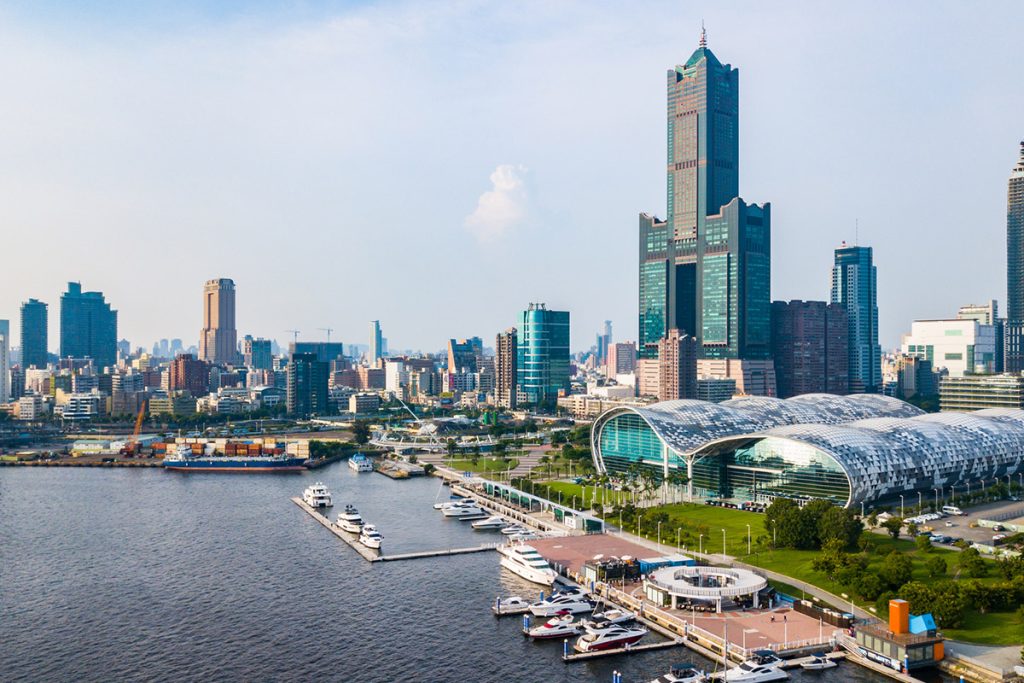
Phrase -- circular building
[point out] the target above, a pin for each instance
(670, 585)
(847, 449)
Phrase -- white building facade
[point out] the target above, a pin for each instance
(960, 346)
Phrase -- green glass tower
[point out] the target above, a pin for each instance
(542, 354)
(706, 269)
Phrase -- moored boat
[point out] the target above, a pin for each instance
(360, 463)
(610, 637)
(185, 461)
(762, 666)
(494, 522)
(682, 673)
(317, 496)
(350, 521)
(817, 662)
(370, 537)
(559, 626)
(574, 603)
(525, 561)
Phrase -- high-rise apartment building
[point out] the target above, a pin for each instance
(5, 361)
(855, 288)
(621, 359)
(543, 354)
(307, 385)
(257, 353)
(506, 375)
(677, 366)
(810, 346)
(463, 355)
(604, 340)
(34, 334)
(705, 270)
(188, 373)
(961, 347)
(376, 350)
(1014, 330)
(218, 340)
(325, 351)
(987, 314)
(88, 327)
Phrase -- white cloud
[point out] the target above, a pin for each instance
(501, 208)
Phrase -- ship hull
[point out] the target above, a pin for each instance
(236, 465)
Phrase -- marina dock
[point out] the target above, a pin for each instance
(371, 555)
(581, 656)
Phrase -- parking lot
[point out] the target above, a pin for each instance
(960, 526)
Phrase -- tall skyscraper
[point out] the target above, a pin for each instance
(5, 361)
(987, 314)
(706, 269)
(88, 327)
(218, 340)
(603, 341)
(1013, 332)
(34, 335)
(188, 373)
(677, 366)
(855, 288)
(543, 354)
(376, 351)
(811, 348)
(506, 377)
(307, 385)
(463, 355)
(621, 359)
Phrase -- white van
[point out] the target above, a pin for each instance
(952, 510)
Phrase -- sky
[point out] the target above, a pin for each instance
(440, 165)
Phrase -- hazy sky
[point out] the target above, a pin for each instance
(440, 165)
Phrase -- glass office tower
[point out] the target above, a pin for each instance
(543, 355)
(1013, 358)
(855, 288)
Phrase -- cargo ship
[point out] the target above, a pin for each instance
(184, 459)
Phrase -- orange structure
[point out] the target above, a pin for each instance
(899, 616)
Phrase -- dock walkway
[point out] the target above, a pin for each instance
(371, 555)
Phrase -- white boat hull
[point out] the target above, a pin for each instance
(350, 527)
(539, 576)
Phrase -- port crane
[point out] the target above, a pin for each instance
(131, 449)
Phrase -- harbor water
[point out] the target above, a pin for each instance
(146, 575)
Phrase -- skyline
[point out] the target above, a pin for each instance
(242, 148)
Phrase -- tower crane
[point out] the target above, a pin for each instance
(295, 335)
(328, 330)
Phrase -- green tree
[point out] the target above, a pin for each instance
(893, 526)
(923, 543)
(971, 563)
(839, 524)
(361, 432)
(896, 570)
(936, 566)
(869, 586)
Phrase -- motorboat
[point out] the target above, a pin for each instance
(511, 604)
(682, 673)
(556, 603)
(559, 626)
(494, 522)
(317, 496)
(360, 463)
(451, 501)
(513, 529)
(522, 538)
(470, 511)
(611, 637)
(818, 662)
(613, 615)
(525, 561)
(762, 666)
(350, 521)
(370, 537)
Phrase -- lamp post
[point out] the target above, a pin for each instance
(775, 535)
(968, 488)
(574, 502)
(901, 507)
(659, 534)
(936, 499)
(700, 544)
(920, 502)
(862, 509)
(723, 543)
(677, 537)
(748, 539)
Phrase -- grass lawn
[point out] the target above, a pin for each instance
(584, 493)
(994, 628)
(484, 465)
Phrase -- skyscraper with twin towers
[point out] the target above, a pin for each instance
(706, 269)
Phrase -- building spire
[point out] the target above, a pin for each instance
(704, 36)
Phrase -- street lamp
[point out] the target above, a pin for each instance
(936, 499)
(775, 535)
(901, 507)
(723, 543)
(748, 539)
(659, 534)
(700, 544)
(920, 502)
(677, 537)
(574, 502)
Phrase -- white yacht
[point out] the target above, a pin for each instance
(559, 626)
(350, 521)
(525, 561)
(317, 496)
(513, 529)
(573, 603)
(612, 615)
(360, 463)
(445, 503)
(494, 522)
(611, 637)
(682, 673)
(464, 511)
(370, 537)
(818, 662)
(762, 666)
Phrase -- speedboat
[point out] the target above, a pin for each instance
(818, 662)
(559, 626)
(762, 666)
(519, 538)
(494, 522)
(610, 637)
(511, 604)
(682, 673)
(556, 603)
(350, 521)
(611, 616)
(513, 529)
(464, 511)
(370, 537)
(525, 561)
(317, 496)
(445, 503)
(360, 463)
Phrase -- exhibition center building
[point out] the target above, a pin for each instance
(855, 449)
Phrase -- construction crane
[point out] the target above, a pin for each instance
(295, 335)
(131, 448)
(328, 330)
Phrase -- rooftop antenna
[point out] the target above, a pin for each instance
(703, 35)
(328, 330)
